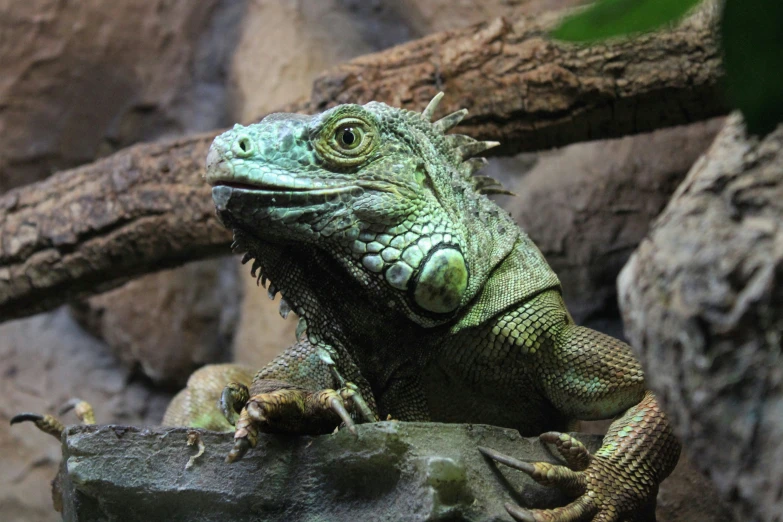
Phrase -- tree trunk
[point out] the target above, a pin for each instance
(702, 300)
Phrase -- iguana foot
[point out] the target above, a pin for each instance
(82, 409)
(52, 425)
(292, 410)
(597, 485)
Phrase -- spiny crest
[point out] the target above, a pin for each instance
(466, 147)
(257, 271)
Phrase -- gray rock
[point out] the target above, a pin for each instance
(391, 471)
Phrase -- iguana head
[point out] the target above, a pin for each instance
(383, 190)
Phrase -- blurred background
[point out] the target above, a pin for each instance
(81, 80)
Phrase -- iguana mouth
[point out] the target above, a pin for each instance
(300, 189)
(263, 196)
(260, 187)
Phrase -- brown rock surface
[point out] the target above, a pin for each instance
(688, 496)
(702, 302)
(443, 15)
(172, 322)
(78, 79)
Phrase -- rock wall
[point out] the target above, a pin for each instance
(702, 302)
(82, 79)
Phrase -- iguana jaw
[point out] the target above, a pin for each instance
(222, 193)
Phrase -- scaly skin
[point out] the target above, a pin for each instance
(421, 299)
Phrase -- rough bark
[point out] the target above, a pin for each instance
(90, 229)
(702, 300)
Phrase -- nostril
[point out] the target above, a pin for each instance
(243, 146)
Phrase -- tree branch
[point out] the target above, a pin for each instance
(531, 93)
(90, 229)
(85, 230)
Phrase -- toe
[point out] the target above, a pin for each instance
(570, 449)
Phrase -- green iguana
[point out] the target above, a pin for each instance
(420, 299)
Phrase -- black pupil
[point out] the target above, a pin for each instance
(348, 136)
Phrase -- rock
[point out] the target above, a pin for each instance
(172, 322)
(587, 206)
(261, 333)
(702, 302)
(392, 471)
(45, 361)
(688, 496)
(443, 15)
(78, 79)
(297, 40)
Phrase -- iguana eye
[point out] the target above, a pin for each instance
(347, 140)
(349, 136)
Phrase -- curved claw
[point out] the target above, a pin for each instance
(26, 417)
(571, 482)
(337, 406)
(508, 461)
(45, 423)
(350, 392)
(232, 400)
(238, 451)
(518, 513)
(579, 510)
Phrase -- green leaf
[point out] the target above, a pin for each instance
(609, 18)
(751, 33)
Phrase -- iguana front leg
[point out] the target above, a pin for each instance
(588, 375)
(300, 392)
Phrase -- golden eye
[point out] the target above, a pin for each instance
(349, 136)
(347, 140)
